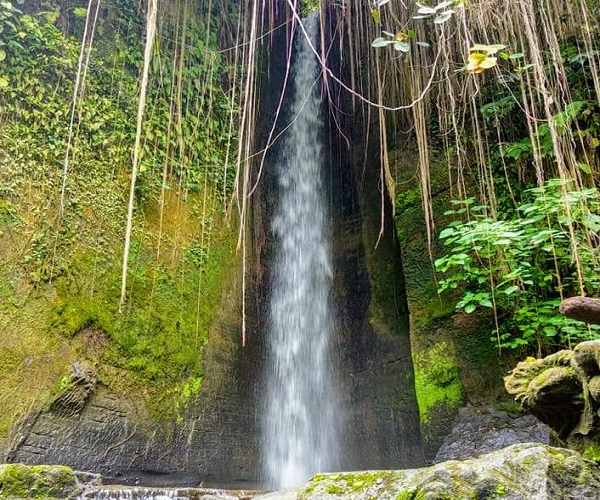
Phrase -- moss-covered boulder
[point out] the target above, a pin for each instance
(519, 472)
(43, 481)
(563, 391)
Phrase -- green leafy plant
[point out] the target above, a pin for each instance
(521, 265)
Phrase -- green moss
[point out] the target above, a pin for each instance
(160, 337)
(414, 494)
(437, 379)
(348, 483)
(407, 199)
(592, 452)
(309, 6)
(21, 481)
(334, 489)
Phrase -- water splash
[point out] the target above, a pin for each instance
(300, 421)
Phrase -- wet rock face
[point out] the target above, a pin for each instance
(82, 382)
(519, 472)
(563, 391)
(479, 430)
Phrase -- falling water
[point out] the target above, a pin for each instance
(300, 415)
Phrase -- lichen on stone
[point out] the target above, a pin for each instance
(40, 481)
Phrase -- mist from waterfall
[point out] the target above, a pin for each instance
(301, 420)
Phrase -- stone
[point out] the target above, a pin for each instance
(484, 429)
(581, 308)
(519, 472)
(563, 391)
(72, 399)
(44, 481)
(550, 389)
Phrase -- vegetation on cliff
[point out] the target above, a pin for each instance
(67, 135)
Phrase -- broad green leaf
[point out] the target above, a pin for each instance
(470, 308)
(443, 5)
(376, 16)
(424, 10)
(401, 46)
(584, 167)
(381, 42)
(443, 17)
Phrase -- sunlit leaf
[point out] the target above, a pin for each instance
(376, 16)
(443, 17)
(401, 46)
(443, 5)
(80, 12)
(424, 10)
(470, 308)
(584, 167)
(381, 42)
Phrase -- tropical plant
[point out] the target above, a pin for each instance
(524, 265)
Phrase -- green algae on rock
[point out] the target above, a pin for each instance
(43, 481)
(519, 472)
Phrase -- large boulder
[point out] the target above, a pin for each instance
(582, 308)
(519, 472)
(563, 391)
(44, 481)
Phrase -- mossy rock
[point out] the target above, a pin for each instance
(18, 481)
(519, 472)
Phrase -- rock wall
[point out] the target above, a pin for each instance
(455, 360)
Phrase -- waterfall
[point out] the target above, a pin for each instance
(301, 410)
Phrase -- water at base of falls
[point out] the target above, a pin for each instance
(300, 421)
(124, 493)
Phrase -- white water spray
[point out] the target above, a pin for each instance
(300, 422)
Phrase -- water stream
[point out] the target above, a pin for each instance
(300, 421)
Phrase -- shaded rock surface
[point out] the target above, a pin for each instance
(563, 391)
(520, 472)
(479, 430)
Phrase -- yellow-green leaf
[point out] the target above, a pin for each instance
(2, 55)
(376, 16)
(3, 82)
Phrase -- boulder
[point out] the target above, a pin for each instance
(44, 481)
(581, 308)
(563, 391)
(519, 472)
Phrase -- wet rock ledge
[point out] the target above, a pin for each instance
(18, 481)
(519, 472)
(44, 481)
